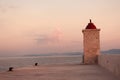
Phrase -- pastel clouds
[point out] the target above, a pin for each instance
(5, 8)
(32, 25)
(54, 37)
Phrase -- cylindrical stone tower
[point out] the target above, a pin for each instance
(91, 42)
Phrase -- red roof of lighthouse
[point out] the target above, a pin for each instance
(90, 25)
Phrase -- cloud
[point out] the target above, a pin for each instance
(54, 37)
(5, 8)
(42, 39)
(2, 9)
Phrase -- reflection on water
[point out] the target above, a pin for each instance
(16, 62)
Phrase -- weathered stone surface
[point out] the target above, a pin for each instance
(59, 72)
(110, 62)
(91, 43)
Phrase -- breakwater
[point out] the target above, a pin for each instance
(111, 62)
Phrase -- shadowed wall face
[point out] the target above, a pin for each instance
(110, 62)
(91, 45)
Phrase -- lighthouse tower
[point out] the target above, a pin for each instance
(91, 42)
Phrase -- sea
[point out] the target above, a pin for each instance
(25, 61)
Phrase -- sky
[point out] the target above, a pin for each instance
(55, 26)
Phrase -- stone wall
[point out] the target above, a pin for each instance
(91, 42)
(110, 62)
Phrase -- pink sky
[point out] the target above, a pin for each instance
(46, 26)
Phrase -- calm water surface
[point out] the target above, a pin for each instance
(17, 62)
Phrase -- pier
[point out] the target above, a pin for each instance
(59, 72)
